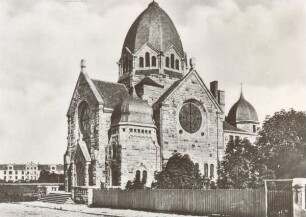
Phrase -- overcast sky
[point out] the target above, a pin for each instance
(259, 43)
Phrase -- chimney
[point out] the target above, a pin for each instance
(214, 89)
(221, 99)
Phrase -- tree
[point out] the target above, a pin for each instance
(179, 173)
(241, 167)
(47, 177)
(282, 143)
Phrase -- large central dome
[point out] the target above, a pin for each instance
(154, 26)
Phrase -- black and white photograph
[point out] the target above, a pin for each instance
(153, 108)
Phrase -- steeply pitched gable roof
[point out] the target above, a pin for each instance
(177, 83)
(148, 81)
(111, 93)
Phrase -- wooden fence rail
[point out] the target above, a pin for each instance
(237, 202)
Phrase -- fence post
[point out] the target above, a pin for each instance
(266, 197)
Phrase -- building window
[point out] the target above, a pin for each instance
(4, 177)
(16, 178)
(115, 176)
(172, 61)
(22, 172)
(138, 175)
(153, 61)
(10, 168)
(22, 177)
(212, 172)
(231, 138)
(206, 170)
(4, 172)
(254, 128)
(27, 168)
(177, 64)
(147, 59)
(28, 172)
(141, 62)
(10, 172)
(144, 177)
(52, 168)
(167, 62)
(114, 151)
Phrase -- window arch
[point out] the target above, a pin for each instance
(212, 172)
(177, 64)
(206, 170)
(167, 62)
(147, 59)
(141, 62)
(172, 61)
(153, 61)
(144, 176)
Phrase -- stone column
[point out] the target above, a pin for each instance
(86, 174)
(299, 197)
(73, 174)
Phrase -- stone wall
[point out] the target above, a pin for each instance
(137, 150)
(201, 146)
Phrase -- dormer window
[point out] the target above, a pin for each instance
(153, 61)
(177, 64)
(141, 62)
(167, 62)
(147, 59)
(172, 61)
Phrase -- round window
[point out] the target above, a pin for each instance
(190, 117)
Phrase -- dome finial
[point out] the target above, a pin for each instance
(241, 90)
(83, 65)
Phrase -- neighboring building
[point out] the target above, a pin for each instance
(27, 172)
(121, 131)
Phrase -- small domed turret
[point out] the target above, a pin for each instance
(243, 115)
(133, 110)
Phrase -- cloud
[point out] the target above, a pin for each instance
(259, 43)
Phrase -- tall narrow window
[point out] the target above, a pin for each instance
(212, 172)
(206, 170)
(177, 64)
(114, 151)
(254, 128)
(172, 61)
(140, 62)
(144, 176)
(147, 59)
(115, 176)
(153, 61)
(167, 62)
(138, 175)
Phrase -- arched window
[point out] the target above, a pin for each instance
(147, 59)
(114, 151)
(167, 62)
(172, 61)
(138, 175)
(206, 170)
(212, 172)
(153, 61)
(144, 176)
(140, 62)
(177, 64)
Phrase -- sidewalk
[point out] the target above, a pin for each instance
(81, 208)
